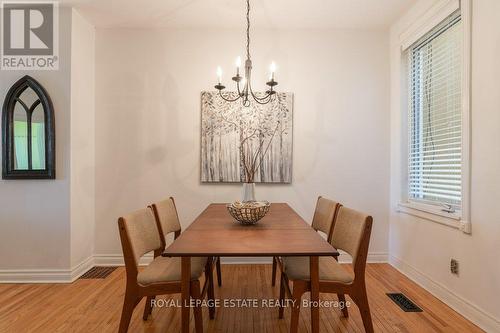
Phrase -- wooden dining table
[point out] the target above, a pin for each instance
(282, 232)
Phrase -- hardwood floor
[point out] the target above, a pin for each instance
(95, 306)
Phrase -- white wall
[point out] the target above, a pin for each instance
(34, 214)
(82, 139)
(47, 226)
(148, 85)
(423, 249)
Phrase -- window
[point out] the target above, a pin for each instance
(435, 116)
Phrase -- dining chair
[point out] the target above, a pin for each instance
(323, 219)
(167, 221)
(139, 235)
(351, 233)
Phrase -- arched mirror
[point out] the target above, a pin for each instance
(28, 136)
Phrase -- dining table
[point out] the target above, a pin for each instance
(282, 232)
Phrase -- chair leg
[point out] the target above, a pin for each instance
(341, 297)
(282, 297)
(342, 301)
(129, 305)
(148, 307)
(196, 294)
(273, 281)
(364, 308)
(209, 275)
(219, 273)
(299, 288)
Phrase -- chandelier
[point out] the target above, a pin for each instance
(243, 83)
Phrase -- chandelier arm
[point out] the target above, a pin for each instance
(258, 98)
(238, 88)
(228, 99)
(267, 100)
(262, 103)
(261, 98)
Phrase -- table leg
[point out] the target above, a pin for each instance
(314, 271)
(210, 292)
(185, 292)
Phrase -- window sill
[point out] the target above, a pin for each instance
(430, 213)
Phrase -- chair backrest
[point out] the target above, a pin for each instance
(139, 235)
(351, 233)
(167, 218)
(324, 216)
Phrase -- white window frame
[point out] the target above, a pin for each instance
(425, 23)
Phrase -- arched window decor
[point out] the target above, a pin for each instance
(28, 135)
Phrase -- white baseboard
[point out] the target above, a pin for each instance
(70, 275)
(46, 275)
(82, 268)
(117, 260)
(35, 276)
(373, 257)
(246, 260)
(472, 312)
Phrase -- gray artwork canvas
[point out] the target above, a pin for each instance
(235, 139)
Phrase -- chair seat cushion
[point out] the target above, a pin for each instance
(165, 269)
(297, 268)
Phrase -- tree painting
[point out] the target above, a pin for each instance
(246, 144)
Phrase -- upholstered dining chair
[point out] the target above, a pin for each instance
(139, 235)
(323, 220)
(351, 233)
(167, 220)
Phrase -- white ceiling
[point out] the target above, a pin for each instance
(275, 14)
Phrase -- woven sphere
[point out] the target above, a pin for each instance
(248, 213)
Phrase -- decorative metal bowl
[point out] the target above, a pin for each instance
(248, 212)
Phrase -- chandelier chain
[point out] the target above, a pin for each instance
(248, 29)
(247, 92)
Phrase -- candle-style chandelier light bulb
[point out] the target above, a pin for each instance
(272, 69)
(243, 83)
(219, 74)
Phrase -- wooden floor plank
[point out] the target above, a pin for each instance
(94, 305)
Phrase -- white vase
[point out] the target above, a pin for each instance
(248, 192)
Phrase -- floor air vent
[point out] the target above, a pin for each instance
(404, 302)
(98, 273)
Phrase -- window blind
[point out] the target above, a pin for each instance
(435, 115)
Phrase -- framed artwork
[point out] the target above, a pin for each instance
(236, 139)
